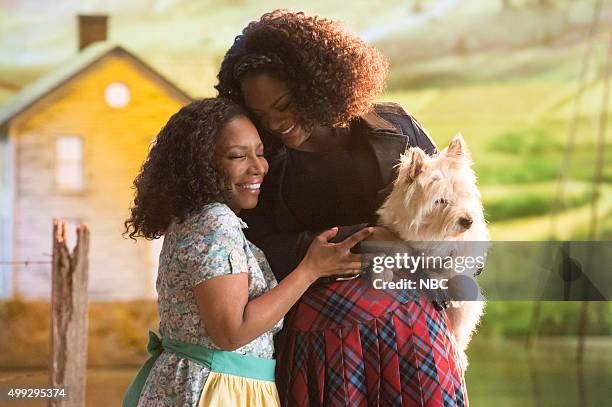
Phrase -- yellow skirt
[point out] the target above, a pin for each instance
(226, 390)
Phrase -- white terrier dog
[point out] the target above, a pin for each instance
(436, 199)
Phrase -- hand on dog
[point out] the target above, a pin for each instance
(327, 259)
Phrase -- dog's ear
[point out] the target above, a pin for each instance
(457, 147)
(414, 159)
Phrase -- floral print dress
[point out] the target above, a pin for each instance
(207, 244)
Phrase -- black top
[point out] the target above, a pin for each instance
(346, 177)
(342, 189)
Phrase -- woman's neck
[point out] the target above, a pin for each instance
(325, 139)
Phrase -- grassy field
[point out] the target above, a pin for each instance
(517, 133)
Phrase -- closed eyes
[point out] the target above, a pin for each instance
(285, 106)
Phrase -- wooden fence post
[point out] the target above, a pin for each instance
(69, 276)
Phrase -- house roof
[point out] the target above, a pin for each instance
(58, 77)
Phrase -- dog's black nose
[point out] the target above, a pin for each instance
(465, 222)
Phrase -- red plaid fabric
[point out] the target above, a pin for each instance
(346, 344)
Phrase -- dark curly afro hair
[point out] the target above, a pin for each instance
(180, 173)
(332, 74)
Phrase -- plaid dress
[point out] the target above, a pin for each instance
(346, 344)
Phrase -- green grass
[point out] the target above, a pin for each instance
(526, 141)
(511, 170)
(514, 318)
(521, 202)
(518, 139)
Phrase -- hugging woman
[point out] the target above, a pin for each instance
(218, 300)
(310, 86)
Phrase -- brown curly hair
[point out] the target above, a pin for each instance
(332, 74)
(180, 173)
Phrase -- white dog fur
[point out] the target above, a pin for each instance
(436, 199)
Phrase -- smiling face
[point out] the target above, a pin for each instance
(270, 100)
(240, 152)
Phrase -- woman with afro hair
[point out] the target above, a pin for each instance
(310, 86)
(218, 300)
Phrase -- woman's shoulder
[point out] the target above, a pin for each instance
(212, 219)
(390, 107)
(391, 118)
(217, 210)
(388, 116)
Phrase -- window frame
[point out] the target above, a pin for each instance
(64, 187)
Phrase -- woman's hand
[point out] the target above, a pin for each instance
(232, 320)
(381, 233)
(327, 259)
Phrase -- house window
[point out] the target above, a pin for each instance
(117, 95)
(69, 163)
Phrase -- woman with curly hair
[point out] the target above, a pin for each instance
(309, 85)
(219, 302)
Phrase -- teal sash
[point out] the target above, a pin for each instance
(232, 363)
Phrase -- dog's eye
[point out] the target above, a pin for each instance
(441, 201)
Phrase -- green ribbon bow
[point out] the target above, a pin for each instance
(155, 348)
